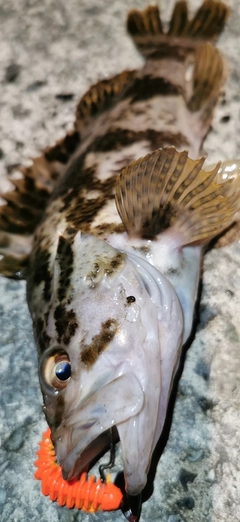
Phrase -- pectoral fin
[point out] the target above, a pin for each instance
(168, 189)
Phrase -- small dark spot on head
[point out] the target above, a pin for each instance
(230, 293)
(144, 249)
(116, 261)
(172, 271)
(131, 299)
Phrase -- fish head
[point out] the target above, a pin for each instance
(102, 369)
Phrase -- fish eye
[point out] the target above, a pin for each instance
(57, 370)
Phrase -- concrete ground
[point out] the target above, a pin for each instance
(54, 48)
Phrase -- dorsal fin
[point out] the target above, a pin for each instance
(101, 97)
(168, 189)
(153, 41)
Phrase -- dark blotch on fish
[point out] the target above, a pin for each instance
(115, 263)
(42, 338)
(161, 219)
(80, 211)
(149, 86)
(90, 352)
(65, 261)
(41, 272)
(63, 150)
(118, 138)
(65, 323)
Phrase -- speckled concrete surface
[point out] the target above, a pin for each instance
(61, 48)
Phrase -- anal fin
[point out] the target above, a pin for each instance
(168, 189)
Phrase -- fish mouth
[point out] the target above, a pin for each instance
(86, 433)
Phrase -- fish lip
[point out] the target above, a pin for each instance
(77, 443)
(90, 454)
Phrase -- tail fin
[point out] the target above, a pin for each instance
(168, 189)
(183, 35)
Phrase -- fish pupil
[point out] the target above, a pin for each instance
(63, 370)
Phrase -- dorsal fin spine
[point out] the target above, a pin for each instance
(147, 31)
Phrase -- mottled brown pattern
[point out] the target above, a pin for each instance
(102, 96)
(109, 266)
(65, 323)
(118, 138)
(90, 352)
(64, 149)
(106, 229)
(79, 211)
(41, 272)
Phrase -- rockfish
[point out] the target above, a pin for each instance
(108, 227)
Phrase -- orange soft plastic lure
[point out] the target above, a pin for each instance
(87, 494)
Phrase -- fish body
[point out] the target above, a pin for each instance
(114, 268)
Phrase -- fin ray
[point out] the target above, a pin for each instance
(167, 189)
(100, 97)
(208, 77)
(152, 40)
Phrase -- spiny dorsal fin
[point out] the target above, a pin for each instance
(179, 21)
(168, 189)
(208, 21)
(101, 97)
(152, 41)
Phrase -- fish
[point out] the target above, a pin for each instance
(109, 228)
